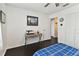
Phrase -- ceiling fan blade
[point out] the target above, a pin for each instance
(46, 4)
(65, 4)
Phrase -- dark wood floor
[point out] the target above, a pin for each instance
(29, 49)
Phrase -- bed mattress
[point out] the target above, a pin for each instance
(58, 49)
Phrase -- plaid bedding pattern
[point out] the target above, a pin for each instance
(57, 50)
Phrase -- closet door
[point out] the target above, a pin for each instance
(69, 33)
(61, 31)
(76, 30)
(69, 29)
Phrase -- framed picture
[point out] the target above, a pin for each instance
(32, 21)
(2, 17)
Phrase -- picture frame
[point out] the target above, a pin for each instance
(32, 21)
(2, 17)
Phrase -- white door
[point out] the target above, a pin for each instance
(61, 31)
(76, 30)
(69, 30)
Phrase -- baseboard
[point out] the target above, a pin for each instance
(4, 52)
(14, 46)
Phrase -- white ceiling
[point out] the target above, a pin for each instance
(39, 7)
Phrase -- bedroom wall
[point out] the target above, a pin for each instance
(0, 33)
(52, 28)
(68, 33)
(17, 26)
(3, 31)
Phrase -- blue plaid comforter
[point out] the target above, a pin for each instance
(57, 50)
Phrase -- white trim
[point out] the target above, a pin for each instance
(4, 52)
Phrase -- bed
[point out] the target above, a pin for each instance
(58, 49)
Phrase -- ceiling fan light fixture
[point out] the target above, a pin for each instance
(56, 4)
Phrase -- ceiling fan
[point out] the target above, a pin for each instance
(57, 4)
(47, 4)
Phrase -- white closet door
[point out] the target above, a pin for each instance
(61, 31)
(76, 31)
(69, 30)
(69, 33)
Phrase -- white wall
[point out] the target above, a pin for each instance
(17, 26)
(3, 32)
(0, 34)
(0, 37)
(66, 33)
(52, 27)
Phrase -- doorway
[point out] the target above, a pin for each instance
(54, 27)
